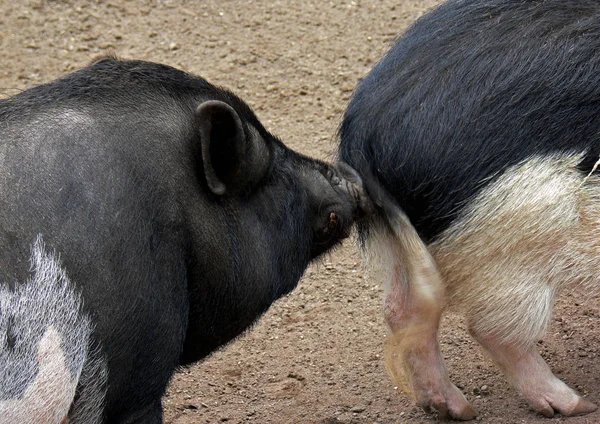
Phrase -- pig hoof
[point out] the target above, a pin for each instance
(454, 405)
(582, 407)
(549, 407)
(466, 413)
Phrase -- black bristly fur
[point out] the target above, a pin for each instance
(470, 89)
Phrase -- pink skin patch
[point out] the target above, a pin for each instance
(48, 397)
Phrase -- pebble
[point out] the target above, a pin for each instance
(483, 390)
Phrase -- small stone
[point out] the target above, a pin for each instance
(173, 46)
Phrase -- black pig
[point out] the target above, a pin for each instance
(177, 216)
(482, 126)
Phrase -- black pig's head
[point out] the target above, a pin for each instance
(243, 163)
(268, 211)
(335, 199)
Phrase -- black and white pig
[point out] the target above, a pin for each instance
(178, 218)
(478, 136)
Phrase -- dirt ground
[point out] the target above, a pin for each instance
(316, 357)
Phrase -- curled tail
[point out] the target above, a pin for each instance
(48, 371)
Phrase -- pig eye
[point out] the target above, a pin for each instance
(333, 220)
(332, 225)
(330, 230)
(327, 225)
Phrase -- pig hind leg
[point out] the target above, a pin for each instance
(527, 371)
(518, 356)
(413, 304)
(518, 242)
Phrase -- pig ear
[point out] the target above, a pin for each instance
(233, 160)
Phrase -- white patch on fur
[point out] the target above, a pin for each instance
(49, 358)
(48, 397)
(518, 242)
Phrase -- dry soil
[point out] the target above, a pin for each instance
(316, 356)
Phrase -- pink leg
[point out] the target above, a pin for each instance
(413, 305)
(527, 371)
(413, 356)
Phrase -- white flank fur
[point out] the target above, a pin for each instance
(517, 243)
(44, 350)
(526, 235)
